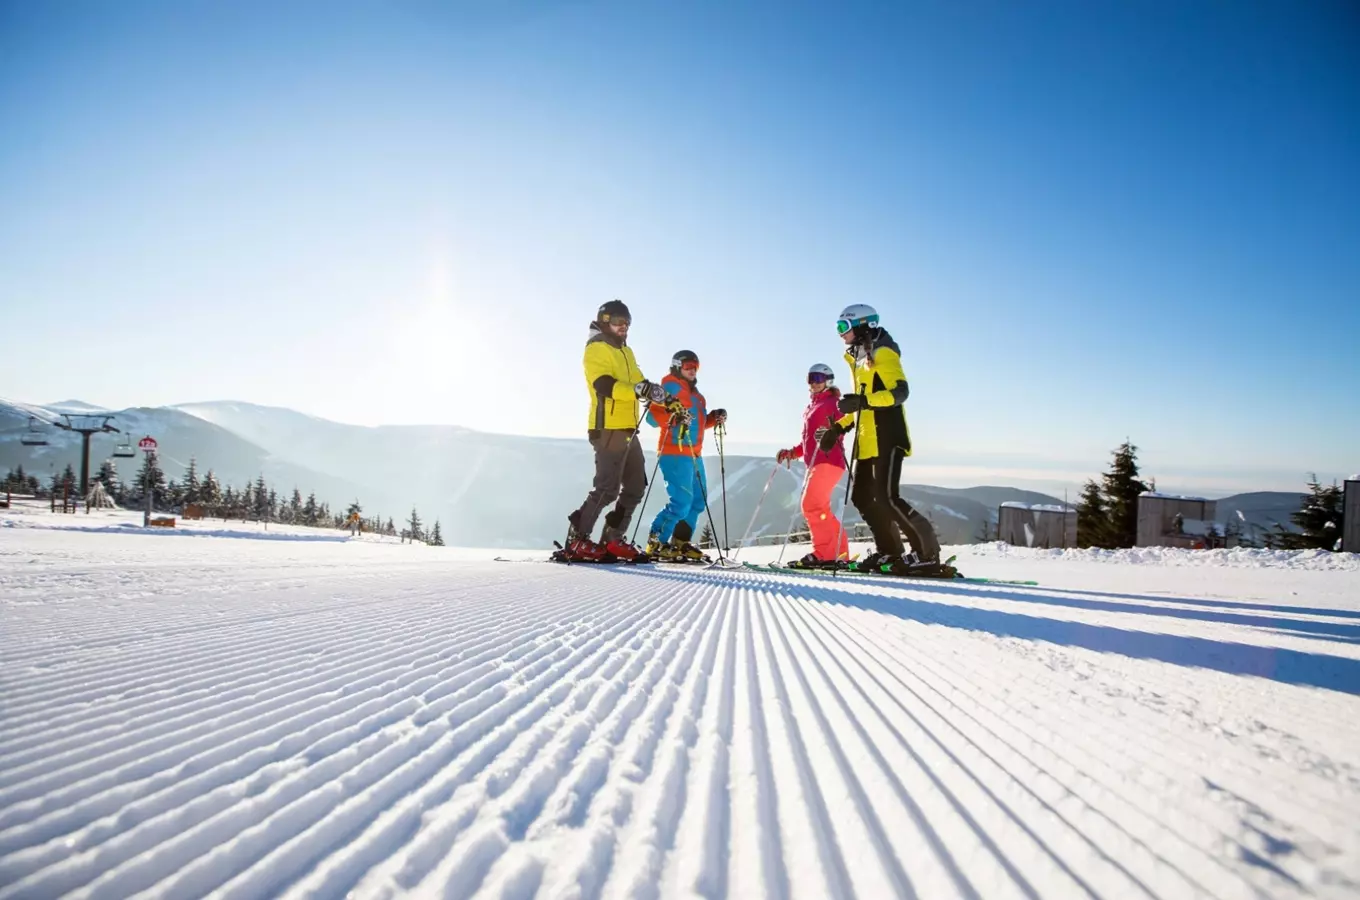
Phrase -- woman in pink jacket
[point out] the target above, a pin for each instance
(825, 468)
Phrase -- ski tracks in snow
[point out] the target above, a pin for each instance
(600, 733)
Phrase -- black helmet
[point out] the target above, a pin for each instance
(613, 311)
(680, 358)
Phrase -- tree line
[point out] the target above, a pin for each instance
(1107, 513)
(254, 501)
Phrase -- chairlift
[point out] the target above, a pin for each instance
(124, 449)
(34, 436)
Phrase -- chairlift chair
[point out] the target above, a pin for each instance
(124, 449)
(34, 436)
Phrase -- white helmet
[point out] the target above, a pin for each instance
(856, 315)
(821, 372)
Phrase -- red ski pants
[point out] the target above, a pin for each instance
(821, 520)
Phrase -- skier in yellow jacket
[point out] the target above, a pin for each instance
(882, 442)
(616, 386)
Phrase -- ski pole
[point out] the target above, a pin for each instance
(643, 509)
(769, 481)
(703, 484)
(720, 432)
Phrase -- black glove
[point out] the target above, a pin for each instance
(649, 390)
(852, 403)
(719, 416)
(829, 436)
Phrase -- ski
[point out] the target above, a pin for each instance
(839, 571)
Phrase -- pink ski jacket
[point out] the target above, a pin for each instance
(820, 413)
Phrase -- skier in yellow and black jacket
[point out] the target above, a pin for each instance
(616, 386)
(881, 444)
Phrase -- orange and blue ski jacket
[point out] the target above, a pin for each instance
(677, 438)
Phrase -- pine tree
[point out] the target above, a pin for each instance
(295, 506)
(1093, 520)
(228, 507)
(192, 489)
(985, 532)
(391, 528)
(706, 538)
(1120, 490)
(1320, 519)
(210, 492)
(354, 508)
(414, 525)
(107, 476)
(174, 494)
(68, 481)
(15, 481)
(436, 537)
(260, 506)
(18, 480)
(150, 477)
(310, 514)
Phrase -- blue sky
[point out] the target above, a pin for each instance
(1082, 221)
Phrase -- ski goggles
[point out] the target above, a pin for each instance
(818, 378)
(844, 326)
(689, 365)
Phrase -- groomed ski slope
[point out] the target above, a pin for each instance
(250, 718)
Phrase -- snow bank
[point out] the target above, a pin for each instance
(36, 514)
(1236, 557)
(1038, 507)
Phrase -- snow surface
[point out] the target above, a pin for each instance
(254, 718)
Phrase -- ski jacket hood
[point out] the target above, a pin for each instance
(596, 333)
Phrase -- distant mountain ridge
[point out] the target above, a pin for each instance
(486, 489)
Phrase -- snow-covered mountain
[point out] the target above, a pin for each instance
(485, 489)
(233, 459)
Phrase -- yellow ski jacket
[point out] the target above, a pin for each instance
(611, 371)
(878, 376)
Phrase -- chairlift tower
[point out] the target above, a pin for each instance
(84, 425)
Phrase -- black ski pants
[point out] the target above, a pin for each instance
(620, 472)
(877, 495)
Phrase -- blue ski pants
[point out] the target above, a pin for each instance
(686, 486)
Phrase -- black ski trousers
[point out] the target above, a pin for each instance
(877, 495)
(620, 472)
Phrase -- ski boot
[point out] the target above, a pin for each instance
(657, 548)
(664, 552)
(583, 550)
(813, 561)
(908, 565)
(620, 549)
(870, 563)
(623, 551)
(690, 553)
